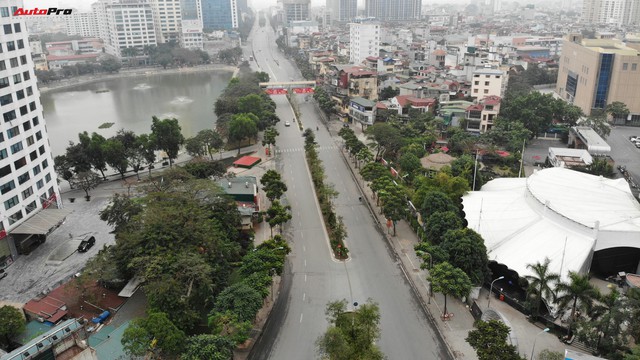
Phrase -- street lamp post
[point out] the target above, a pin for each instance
(534, 341)
(491, 290)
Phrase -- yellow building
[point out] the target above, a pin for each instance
(596, 72)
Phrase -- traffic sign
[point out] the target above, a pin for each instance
(276, 91)
(306, 90)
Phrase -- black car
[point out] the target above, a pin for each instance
(3, 274)
(86, 244)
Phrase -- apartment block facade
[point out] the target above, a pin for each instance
(488, 82)
(166, 19)
(130, 24)
(342, 10)
(82, 24)
(394, 10)
(623, 12)
(220, 14)
(364, 41)
(192, 34)
(27, 178)
(595, 72)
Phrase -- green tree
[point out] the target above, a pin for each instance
(388, 92)
(12, 323)
(195, 146)
(439, 222)
(429, 200)
(535, 110)
(577, 293)
(394, 204)
(467, 252)
(374, 170)
(464, 167)
(409, 163)
(541, 284)
(205, 346)
(617, 110)
(119, 212)
(63, 167)
(351, 334)
(598, 122)
(274, 190)
(388, 139)
(489, 341)
(510, 134)
(87, 181)
(212, 141)
(269, 137)
(252, 103)
(110, 64)
(278, 214)
(166, 135)
(227, 324)
(547, 354)
(154, 334)
(147, 149)
(242, 127)
(605, 330)
(449, 280)
(240, 299)
(635, 354)
(115, 154)
(93, 148)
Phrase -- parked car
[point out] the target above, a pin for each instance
(86, 244)
(286, 123)
(3, 274)
(633, 138)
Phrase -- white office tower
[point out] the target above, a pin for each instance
(82, 24)
(364, 41)
(166, 18)
(342, 10)
(99, 9)
(130, 24)
(27, 179)
(191, 36)
(295, 10)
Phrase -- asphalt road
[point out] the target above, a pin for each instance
(313, 277)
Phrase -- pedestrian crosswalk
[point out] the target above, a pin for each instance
(298, 149)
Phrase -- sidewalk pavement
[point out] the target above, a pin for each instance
(455, 329)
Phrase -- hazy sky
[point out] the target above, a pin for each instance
(85, 5)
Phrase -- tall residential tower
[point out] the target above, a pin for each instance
(394, 10)
(342, 10)
(28, 184)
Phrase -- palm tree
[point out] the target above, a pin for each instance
(540, 283)
(578, 291)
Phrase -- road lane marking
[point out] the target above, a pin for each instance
(305, 277)
(305, 262)
(301, 317)
(304, 296)
(304, 248)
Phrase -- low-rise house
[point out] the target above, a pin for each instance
(569, 158)
(584, 137)
(362, 111)
(244, 190)
(480, 116)
(405, 103)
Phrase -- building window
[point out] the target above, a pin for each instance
(35, 120)
(9, 115)
(20, 44)
(47, 178)
(45, 164)
(634, 67)
(16, 27)
(486, 91)
(23, 60)
(4, 11)
(36, 170)
(3, 66)
(32, 206)
(30, 141)
(475, 91)
(625, 66)
(32, 106)
(27, 192)
(40, 184)
(11, 202)
(33, 155)
(23, 178)
(5, 171)
(41, 149)
(20, 163)
(6, 99)
(486, 83)
(3, 154)
(20, 94)
(4, 82)
(23, 110)
(26, 75)
(13, 62)
(5, 188)
(476, 83)
(15, 217)
(38, 135)
(7, 29)
(17, 79)
(11, 45)
(14, 131)
(17, 147)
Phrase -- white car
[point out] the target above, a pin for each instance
(286, 123)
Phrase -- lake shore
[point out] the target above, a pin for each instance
(126, 73)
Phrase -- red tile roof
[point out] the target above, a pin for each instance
(439, 52)
(492, 100)
(48, 308)
(247, 161)
(475, 107)
(380, 105)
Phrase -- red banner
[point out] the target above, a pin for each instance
(3, 233)
(303, 90)
(277, 91)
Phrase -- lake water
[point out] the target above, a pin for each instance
(130, 103)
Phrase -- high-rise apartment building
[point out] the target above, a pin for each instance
(27, 179)
(342, 10)
(220, 14)
(82, 24)
(130, 25)
(191, 25)
(166, 19)
(595, 72)
(295, 10)
(393, 10)
(621, 12)
(99, 9)
(364, 41)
